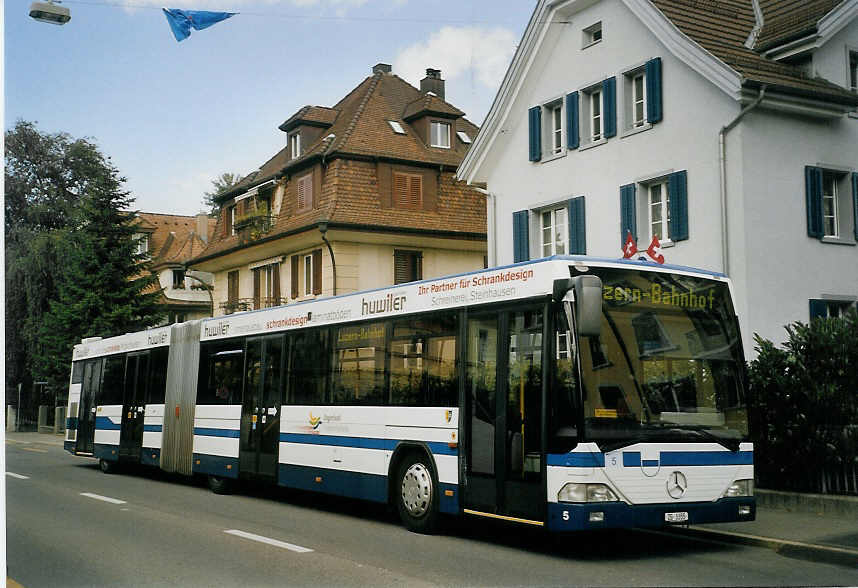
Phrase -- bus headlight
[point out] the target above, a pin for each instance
(574, 492)
(739, 488)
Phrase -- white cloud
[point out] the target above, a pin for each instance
(480, 53)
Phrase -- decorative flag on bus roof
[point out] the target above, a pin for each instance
(181, 21)
(630, 247)
(654, 250)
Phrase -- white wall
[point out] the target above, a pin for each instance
(831, 60)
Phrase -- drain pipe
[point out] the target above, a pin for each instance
(722, 160)
(491, 214)
(323, 228)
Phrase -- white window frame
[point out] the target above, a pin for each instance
(308, 275)
(592, 35)
(142, 243)
(638, 99)
(295, 145)
(231, 219)
(464, 137)
(558, 235)
(556, 110)
(397, 127)
(664, 203)
(437, 124)
(829, 194)
(596, 97)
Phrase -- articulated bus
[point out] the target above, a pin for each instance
(568, 393)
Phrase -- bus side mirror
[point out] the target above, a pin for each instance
(586, 292)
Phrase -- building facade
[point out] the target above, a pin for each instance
(171, 240)
(728, 130)
(363, 195)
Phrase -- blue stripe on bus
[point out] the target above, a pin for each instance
(204, 432)
(105, 424)
(152, 428)
(215, 465)
(577, 460)
(150, 456)
(689, 458)
(105, 452)
(360, 442)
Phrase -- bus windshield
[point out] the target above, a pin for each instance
(667, 365)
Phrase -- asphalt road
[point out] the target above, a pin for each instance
(68, 524)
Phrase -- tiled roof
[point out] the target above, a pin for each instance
(722, 27)
(784, 20)
(312, 115)
(173, 239)
(430, 104)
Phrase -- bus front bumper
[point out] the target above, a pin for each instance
(613, 515)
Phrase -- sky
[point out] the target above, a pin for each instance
(173, 116)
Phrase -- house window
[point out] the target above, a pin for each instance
(595, 115)
(142, 243)
(592, 110)
(266, 286)
(178, 279)
(464, 137)
(440, 134)
(638, 100)
(295, 145)
(659, 211)
(397, 128)
(829, 205)
(592, 34)
(822, 308)
(853, 71)
(555, 232)
(305, 193)
(407, 191)
(230, 219)
(407, 266)
(231, 291)
(556, 127)
(308, 275)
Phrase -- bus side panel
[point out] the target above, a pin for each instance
(152, 434)
(108, 425)
(217, 430)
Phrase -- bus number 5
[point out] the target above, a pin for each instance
(565, 515)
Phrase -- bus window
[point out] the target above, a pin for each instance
(423, 361)
(524, 393)
(113, 383)
(221, 367)
(359, 355)
(562, 393)
(77, 372)
(158, 375)
(308, 371)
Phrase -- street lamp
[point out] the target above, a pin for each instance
(50, 13)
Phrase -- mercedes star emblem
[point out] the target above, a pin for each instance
(676, 485)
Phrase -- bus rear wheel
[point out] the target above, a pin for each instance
(417, 494)
(108, 467)
(220, 485)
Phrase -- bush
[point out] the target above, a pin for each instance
(804, 405)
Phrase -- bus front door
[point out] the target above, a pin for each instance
(260, 412)
(88, 403)
(134, 406)
(504, 372)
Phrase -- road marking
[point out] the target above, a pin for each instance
(19, 476)
(34, 449)
(104, 498)
(274, 542)
(18, 442)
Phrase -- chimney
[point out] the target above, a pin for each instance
(203, 226)
(383, 68)
(433, 83)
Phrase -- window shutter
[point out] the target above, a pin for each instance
(573, 133)
(408, 191)
(628, 213)
(653, 90)
(232, 287)
(577, 227)
(534, 116)
(256, 284)
(813, 196)
(855, 203)
(275, 290)
(294, 276)
(520, 236)
(818, 309)
(677, 188)
(609, 98)
(317, 271)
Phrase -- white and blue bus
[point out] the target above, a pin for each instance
(568, 393)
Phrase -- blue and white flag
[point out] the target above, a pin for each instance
(181, 21)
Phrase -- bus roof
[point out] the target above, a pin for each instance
(157, 337)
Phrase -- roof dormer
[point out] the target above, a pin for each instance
(305, 126)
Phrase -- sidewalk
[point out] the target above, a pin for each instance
(805, 526)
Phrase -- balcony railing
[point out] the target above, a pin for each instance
(241, 304)
(253, 226)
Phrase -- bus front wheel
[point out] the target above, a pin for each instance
(417, 494)
(108, 467)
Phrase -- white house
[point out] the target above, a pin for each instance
(728, 129)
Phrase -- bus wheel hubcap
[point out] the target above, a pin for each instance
(417, 489)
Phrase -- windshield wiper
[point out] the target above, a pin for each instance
(731, 444)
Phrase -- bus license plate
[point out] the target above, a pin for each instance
(675, 517)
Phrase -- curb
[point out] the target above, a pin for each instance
(797, 549)
(825, 504)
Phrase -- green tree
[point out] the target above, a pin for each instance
(71, 265)
(224, 182)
